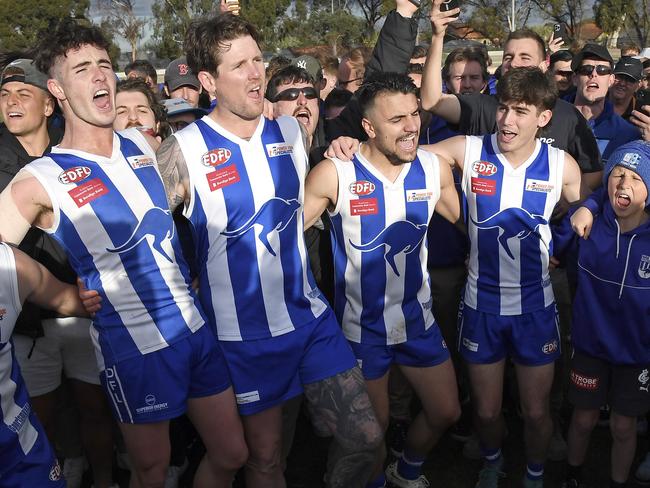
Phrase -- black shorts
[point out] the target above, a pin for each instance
(595, 382)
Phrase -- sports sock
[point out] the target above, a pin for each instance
(534, 471)
(409, 465)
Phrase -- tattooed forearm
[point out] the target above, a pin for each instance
(173, 170)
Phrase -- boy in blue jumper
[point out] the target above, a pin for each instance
(611, 314)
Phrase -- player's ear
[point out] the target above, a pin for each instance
(544, 118)
(368, 127)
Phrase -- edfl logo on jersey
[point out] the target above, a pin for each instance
(399, 237)
(274, 216)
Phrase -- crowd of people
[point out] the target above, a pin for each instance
(376, 240)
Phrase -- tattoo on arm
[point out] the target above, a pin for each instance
(173, 171)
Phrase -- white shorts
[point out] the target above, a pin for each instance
(66, 347)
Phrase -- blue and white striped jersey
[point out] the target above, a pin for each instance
(18, 433)
(508, 214)
(246, 212)
(379, 227)
(112, 218)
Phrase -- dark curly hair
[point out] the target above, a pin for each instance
(383, 82)
(63, 36)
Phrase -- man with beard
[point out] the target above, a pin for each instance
(380, 206)
(234, 171)
(137, 106)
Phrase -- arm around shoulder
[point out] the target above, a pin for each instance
(321, 191)
(37, 285)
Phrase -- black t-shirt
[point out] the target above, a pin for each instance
(567, 129)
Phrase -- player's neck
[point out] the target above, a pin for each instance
(517, 157)
(89, 138)
(234, 123)
(35, 143)
(379, 160)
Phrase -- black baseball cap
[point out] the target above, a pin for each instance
(178, 74)
(591, 51)
(629, 66)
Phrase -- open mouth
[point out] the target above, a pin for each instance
(102, 100)
(507, 135)
(407, 143)
(303, 116)
(14, 115)
(623, 200)
(255, 93)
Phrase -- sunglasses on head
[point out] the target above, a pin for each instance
(291, 94)
(587, 69)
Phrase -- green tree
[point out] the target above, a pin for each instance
(629, 16)
(494, 18)
(570, 12)
(170, 21)
(22, 20)
(267, 16)
(120, 19)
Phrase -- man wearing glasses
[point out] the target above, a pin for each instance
(593, 77)
(560, 68)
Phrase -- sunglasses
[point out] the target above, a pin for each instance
(587, 69)
(292, 94)
(565, 74)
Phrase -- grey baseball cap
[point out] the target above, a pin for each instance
(24, 71)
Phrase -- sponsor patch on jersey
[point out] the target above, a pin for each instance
(216, 157)
(550, 347)
(362, 187)
(470, 345)
(481, 186)
(222, 177)
(644, 266)
(74, 175)
(248, 397)
(88, 192)
(141, 161)
(56, 472)
(278, 149)
(540, 186)
(418, 195)
(484, 168)
(584, 382)
(364, 206)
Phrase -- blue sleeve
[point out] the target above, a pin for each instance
(594, 202)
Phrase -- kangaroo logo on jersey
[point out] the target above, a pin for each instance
(156, 223)
(484, 168)
(399, 237)
(512, 222)
(644, 266)
(362, 187)
(74, 175)
(274, 216)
